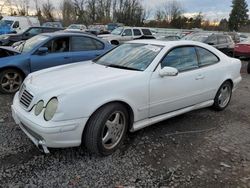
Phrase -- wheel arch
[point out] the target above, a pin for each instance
(14, 67)
(230, 81)
(114, 42)
(128, 107)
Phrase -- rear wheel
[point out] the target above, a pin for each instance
(10, 81)
(106, 129)
(223, 96)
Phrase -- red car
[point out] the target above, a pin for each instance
(242, 49)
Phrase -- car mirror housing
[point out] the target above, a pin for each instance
(168, 71)
(43, 51)
(123, 34)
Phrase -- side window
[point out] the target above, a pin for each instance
(85, 44)
(137, 32)
(33, 32)
(146, 32)
(16, 24)
(212, 40)
(206, 57)
(222, 39)
(127, 32)
(58, 45)
(182, 58)
(47, 30)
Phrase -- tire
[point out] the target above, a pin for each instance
(10, 81)
(223, 96)
(106, 130)
(248, 68)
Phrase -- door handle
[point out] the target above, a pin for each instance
(200, 77)
(66, 57)
(97, 55)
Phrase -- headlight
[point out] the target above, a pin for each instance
(39, 108)
(51, 108)
(5, 38)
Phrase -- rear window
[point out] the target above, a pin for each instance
(146, 32)
(222, 39)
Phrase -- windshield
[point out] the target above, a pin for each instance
(31, 43)
(130, 56)
(199, 38)
(117, 31)
(76, 27)
(6, 23)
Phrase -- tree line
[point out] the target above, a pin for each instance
(169, 14)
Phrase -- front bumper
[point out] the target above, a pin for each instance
(50, 134)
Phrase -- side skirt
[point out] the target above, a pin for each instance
(147, 122)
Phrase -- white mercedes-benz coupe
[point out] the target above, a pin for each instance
(133, 86)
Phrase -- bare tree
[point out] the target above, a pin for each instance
(68, 12)
(80, 9)
(22, 7)
(47, 11)
(172, 10)
(92, 10)
(9, 4)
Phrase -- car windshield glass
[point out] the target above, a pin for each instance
(74, 27)
(130, 56)
(32, 43)
(199, 38)
(117, 31)
(6, 23)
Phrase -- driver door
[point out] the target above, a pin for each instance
(171, 93)
(126, 35)
(58, 54)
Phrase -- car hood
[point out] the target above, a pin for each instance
(9, 48)
(64, 78)
(108, 36)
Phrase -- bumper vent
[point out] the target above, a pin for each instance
(25, 97)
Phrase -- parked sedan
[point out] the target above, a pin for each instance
(48, 50)
(242, 49)
(9, 39)
(133, 86)
(222, 42)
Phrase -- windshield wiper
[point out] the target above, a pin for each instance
(122, 67)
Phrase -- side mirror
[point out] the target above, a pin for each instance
(123, 34)
(168, 71)
(42, 51)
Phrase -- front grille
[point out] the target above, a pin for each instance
(25, 98)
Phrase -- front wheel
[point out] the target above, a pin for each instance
(106, 129)
(223, 96)
(10, 81)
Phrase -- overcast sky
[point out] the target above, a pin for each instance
(211, 9)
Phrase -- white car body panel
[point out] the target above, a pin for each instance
(82, 88)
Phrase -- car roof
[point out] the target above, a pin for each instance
(167, 43)
(45, 27)
(57, 34)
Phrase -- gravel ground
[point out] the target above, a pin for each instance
(200, 149)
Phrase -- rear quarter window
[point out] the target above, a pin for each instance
(206, 57)
(146, 32)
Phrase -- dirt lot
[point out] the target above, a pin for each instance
(199, 149)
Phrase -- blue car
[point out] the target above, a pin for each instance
(44, 51)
